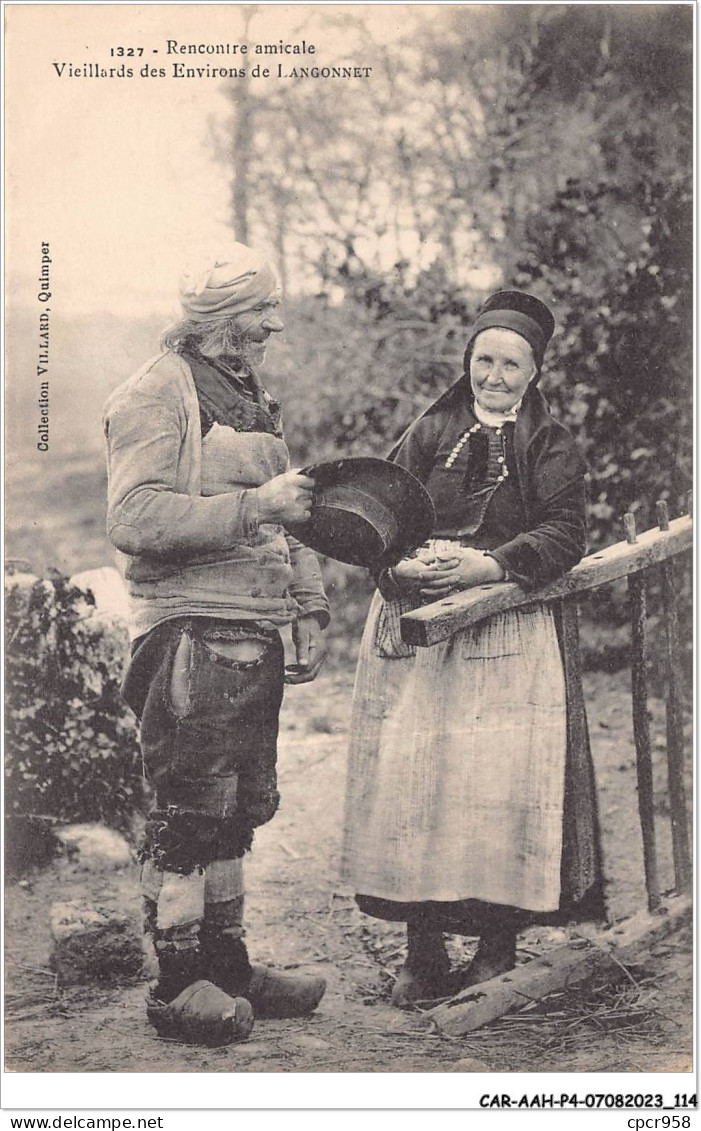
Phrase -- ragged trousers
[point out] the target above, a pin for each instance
(208, 695)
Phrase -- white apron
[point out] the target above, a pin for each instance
(457, 763)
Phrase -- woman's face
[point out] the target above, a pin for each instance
(501, 367)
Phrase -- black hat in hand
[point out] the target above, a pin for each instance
(365, 511)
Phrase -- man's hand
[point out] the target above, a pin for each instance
(286, 498)
(472, 567)
(311, 650)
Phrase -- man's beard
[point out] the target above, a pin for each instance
(253, 353)
(226, 344)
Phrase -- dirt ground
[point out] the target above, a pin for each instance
(296, 916)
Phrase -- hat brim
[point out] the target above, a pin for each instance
(365, 511)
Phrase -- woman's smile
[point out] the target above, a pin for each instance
(501, 367)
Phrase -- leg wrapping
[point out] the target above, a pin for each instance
(223, 947)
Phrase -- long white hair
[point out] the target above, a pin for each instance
(219, 337)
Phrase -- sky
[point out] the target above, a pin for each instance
(117, 174)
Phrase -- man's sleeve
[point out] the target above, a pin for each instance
(307, 586)
(146, 515)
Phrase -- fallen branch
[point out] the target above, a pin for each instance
(537, 979)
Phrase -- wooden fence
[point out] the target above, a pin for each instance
(639, 558)
(636, 559)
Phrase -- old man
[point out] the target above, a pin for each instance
(200, 491)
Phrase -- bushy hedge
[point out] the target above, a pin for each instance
(617, 374)
(618, 371)
(71, 744)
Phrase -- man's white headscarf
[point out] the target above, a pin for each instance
(227, 286)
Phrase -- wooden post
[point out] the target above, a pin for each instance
(641, 732)
(662, 515)
(629, 525)
(675, 734)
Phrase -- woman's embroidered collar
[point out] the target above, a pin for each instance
(496, 419)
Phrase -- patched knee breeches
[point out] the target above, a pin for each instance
(208, 694)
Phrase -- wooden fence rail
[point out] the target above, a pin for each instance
(439, 620)
(638, 558)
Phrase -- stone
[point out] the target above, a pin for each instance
(306, 1041)
(95, 846)
(94, 942)
(108, 589)
(471, 1064)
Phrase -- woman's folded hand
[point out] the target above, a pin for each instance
(412, 574)
(471, 567)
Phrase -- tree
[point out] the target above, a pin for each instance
(543, 146)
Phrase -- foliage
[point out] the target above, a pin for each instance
(622, 362)
(71, 749)
(360, 370)
(552, 145)
(610, 246)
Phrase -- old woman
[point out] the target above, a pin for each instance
(468, 811)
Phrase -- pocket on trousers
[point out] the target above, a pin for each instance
(236, 648)
(222, 675)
